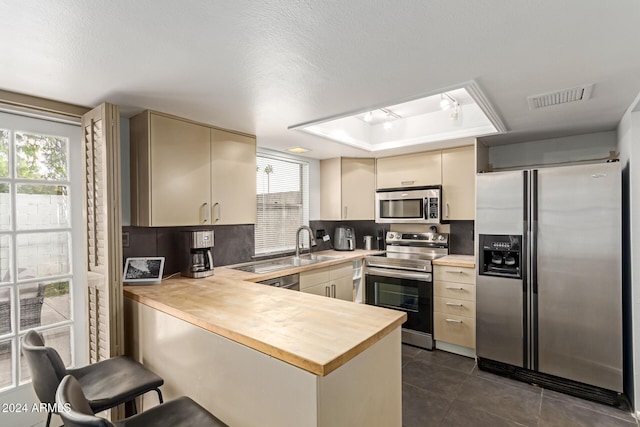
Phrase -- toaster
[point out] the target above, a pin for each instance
(344, 239)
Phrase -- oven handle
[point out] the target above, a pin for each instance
(371, 264)
(385, 272)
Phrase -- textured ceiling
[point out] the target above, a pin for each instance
(261, 66)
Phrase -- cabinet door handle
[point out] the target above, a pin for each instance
(333, 291)
(218, 208)
(453, 320)
(327, 292)
(454, 271)
(446, 210)
(407, 182)
(207, 212)
(452, 288)
(453, 304)
(345, 212)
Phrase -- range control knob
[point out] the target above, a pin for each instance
(441, 237)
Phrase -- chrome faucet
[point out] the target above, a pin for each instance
(313, 241)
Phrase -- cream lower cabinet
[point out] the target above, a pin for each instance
(410, 170)
(185, 173)
(459, 183)
(454, 308)
(333, 282)
(347, 189)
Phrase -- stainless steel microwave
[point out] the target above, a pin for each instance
(416, 205)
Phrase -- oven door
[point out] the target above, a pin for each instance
(411, 292)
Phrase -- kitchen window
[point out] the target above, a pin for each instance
(282, 198)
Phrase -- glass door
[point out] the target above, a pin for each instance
(41, 277)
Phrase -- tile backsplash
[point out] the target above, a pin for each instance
(235, 243)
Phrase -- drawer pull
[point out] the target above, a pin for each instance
(452, 288)
(454, 271)
(407, 182)
(453, 304)
(453, 320)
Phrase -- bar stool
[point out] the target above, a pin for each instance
(106, 384)
(182, 412)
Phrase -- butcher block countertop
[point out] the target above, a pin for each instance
(311, 332)
(228, 272)
(468, 261)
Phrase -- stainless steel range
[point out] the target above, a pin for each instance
(402, 279)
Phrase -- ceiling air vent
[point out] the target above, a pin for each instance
(581, 93)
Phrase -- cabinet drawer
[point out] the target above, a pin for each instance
(455, 274)
(314, 277)
(341, 270)
(458, 307)
(454, 290)
(454, 329)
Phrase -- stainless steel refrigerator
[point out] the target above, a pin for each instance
(549, 287)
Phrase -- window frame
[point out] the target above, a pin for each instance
(305, 205)
(34, 123)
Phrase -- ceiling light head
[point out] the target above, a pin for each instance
(447, 101)
(368, 116)
(455, 113)
(387, 125)
(298, 150)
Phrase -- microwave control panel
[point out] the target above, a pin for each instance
(433, 208)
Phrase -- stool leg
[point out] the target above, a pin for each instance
(159, 395)
(48, 419)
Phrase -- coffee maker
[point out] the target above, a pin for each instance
(198, 253)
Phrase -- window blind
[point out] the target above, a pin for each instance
(282, 199)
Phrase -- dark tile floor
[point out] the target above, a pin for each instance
(444, 389)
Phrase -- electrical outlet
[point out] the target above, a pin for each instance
(125, 239)
(320, 233)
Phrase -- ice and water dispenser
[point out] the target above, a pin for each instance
(501, 255)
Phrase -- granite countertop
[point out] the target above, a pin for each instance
(311, 332)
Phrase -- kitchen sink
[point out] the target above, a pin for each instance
(319, 258)
(277, 264)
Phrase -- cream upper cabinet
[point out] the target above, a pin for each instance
(173, 170)
(411, 170)
(170, 171)
(233, 178)
(458, 183)
(347, 189)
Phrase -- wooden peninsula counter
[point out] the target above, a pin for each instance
(257, 355)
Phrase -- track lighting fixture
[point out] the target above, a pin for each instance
(447, 101)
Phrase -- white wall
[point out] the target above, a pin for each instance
(571, 148)
(629, 147)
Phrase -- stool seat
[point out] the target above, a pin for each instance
(181, 412)
(107, 383)
(110, 382)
